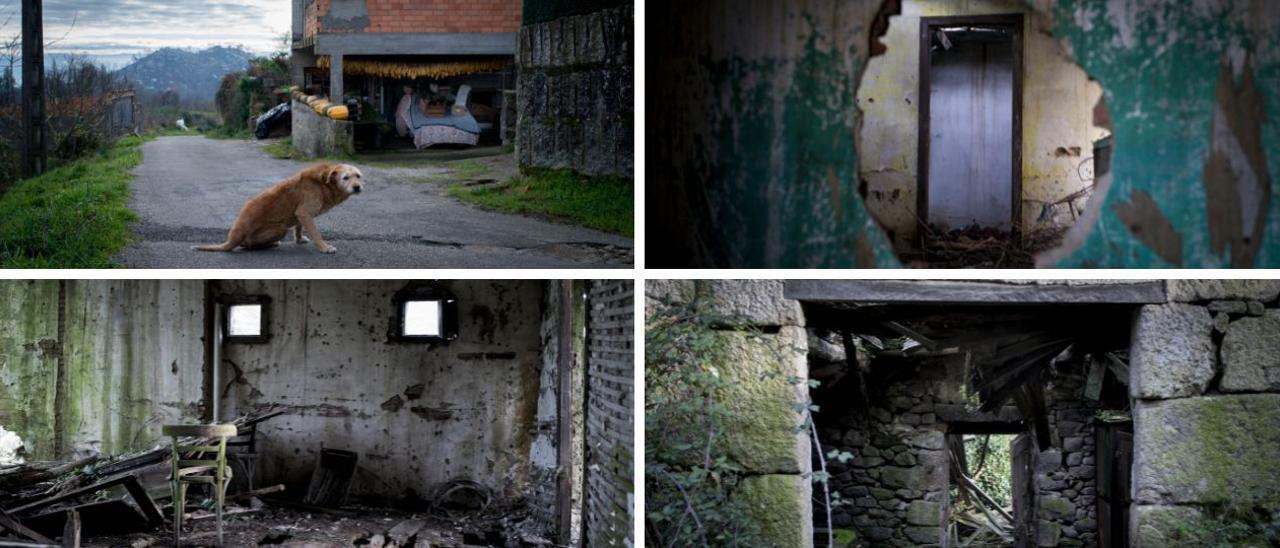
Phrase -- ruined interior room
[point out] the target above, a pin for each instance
(332, 412)
(963, 133)
(1047, 382)
(868, 413)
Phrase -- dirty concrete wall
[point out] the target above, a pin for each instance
(575, 91)
(1205, 381)
(28, 362)
(132, 359)
(751, 124)
(347, 387)
(766, 375)
(1057, 121)
(315, 135)
(610, 503)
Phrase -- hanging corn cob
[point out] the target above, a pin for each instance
(441, 69)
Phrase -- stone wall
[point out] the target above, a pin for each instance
(576, 108)
(315, 136)
(898, 481)
(1206, 388)
(762, 437)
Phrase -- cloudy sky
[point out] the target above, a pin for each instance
(113, 31)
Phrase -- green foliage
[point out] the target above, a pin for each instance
(601, 203)
(75, 216)
(993, 472)
(688, 482)
(845, 537)
(1224, 526)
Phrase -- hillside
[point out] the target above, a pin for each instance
(193, 74)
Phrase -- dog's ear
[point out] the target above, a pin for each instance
(332, 174)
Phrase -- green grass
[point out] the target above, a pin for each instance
(604, 203)
(228, 132)
(282, 149)
(75, 216)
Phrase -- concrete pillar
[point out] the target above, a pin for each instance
(335, 78)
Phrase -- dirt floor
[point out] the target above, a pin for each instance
(277, 526)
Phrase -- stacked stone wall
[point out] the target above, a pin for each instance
(1206, 390)
(898, 482)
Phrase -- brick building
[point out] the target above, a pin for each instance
(372, 50)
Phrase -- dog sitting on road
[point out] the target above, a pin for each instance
(293, 203)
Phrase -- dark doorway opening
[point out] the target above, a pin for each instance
(992, 491)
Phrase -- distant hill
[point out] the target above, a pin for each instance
(193, 74)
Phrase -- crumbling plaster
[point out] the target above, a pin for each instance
(419, 415)
(1057, 121)
(752, 122)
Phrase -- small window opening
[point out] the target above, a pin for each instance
(422, 319)
(424, 312)
(245, 319)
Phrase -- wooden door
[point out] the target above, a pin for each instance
(1021, 451)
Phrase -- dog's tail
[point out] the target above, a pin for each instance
(224, 246)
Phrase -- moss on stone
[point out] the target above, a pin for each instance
(1209, 450)
(779, 505)
(760, 432)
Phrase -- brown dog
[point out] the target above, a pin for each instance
(293, 203)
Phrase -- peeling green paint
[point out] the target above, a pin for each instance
(772, 181)
(1157, 63)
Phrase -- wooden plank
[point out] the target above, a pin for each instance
(71, 532)
(564, 411)
(958, 292)
(143, 500)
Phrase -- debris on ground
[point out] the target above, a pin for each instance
(981, 247)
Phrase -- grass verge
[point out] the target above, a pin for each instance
(601, 203)
(280, 150)
(74, 216)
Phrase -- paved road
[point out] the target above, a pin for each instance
(188, 190)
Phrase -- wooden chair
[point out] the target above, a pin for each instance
(244, 449)
(198, 469)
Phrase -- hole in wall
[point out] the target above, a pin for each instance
(11, 448)
(991, 184)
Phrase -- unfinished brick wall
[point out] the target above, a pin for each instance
(416, 16)
(610, 400)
